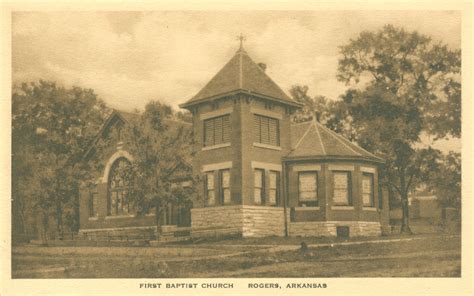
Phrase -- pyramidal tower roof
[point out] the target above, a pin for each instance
(311, 139)
(241, 75)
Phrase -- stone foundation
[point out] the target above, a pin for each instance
(119, 233)
(329, 228)
(247, 221)
(263, 221)
(216, 221)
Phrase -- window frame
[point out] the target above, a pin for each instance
(310, 203)
(258, 133)
(349, 188)
(224, 137)
(222, 188)
(379, 194)
(93, 213)
(262, 187)
(206, 187)
(117, 196)
(372, 190)
(277, 187)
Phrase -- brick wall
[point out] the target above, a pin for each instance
(251, 153)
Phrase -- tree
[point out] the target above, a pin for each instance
(333, 114)
(158, 143)
(400, 85)
(443, 178)
(51, 127)
(185, 116)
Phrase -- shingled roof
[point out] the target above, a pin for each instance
(241, 74)
(311, 139)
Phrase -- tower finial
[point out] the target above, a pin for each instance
(241, 38)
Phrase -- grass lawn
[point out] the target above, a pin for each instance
(297, 240)
(429, 256)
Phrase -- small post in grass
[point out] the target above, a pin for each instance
(304, 247)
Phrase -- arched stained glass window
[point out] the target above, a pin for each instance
(119, 188)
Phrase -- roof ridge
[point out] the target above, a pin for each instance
(241, 74)
(304, 135)
(344, 139)
(338, 137)
(298, 123)
(177, 120)
(319, 136)
(214, 76)
(269, 78)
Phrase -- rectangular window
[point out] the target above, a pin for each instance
(217, 130)
(368, 189)
(308, 189)
(225, 186)
(266, 130)
(259, 187)
(210, 191)
(342, 188)
(380, 194)
(273, 188)
(93, 204)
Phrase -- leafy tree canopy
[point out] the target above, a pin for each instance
(158, 143)
(400, 85)
(333, 114)
(51, 126)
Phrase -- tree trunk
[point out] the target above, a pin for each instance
(59, 220)
(76, 212)
(18, 221)
(405, 228)
(405, 218)
(45, 224)
(158, 218)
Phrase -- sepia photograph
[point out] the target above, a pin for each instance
(182, 144)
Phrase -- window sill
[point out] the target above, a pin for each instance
(343, 208)
(93, 218)
(302, 209)
(205, 148)
(266, 146)
(119, 217)
(373, 209)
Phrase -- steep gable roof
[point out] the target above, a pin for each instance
(241, 74)
(132, 118)
(312, 139)
(129, 117)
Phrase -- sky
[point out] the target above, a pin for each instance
(130, 58)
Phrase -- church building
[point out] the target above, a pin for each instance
(262, 175)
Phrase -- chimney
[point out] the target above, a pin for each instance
(262, 66)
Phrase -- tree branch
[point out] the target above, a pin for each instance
(409, 181)
(395, 186)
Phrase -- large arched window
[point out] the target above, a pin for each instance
(119, 188)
